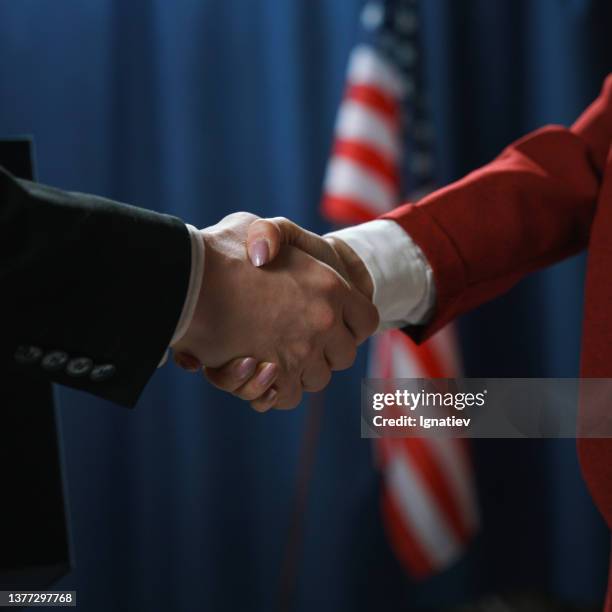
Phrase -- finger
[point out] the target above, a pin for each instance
(341, 349)
(237, 219)
(232, 375)
(360, 316)
(290, 400)
(264, 378)
(289, 393)
(186, 361)
(266, 401)
(316, 376)
(265, 237)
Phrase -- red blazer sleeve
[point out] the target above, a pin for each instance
(530, 207)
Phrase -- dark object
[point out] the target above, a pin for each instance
(35, 547)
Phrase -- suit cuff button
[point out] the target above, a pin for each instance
(79, 366)
(28, 355)
(100, 373)
(54, 361)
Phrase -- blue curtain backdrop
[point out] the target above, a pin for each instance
(203, 107)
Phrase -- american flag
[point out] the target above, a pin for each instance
(383, 153)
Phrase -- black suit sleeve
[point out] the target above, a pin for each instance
(91, 290)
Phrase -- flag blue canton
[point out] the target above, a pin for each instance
(392, 28)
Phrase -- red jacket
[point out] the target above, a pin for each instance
(546, 197)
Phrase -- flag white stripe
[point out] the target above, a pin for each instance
(458, 477)
(446, 450)
(420, 511)
(404, 363)
(367, 67)
(359, 122)
(347, 179)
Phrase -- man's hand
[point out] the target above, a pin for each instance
(296, 317)
(265, 238)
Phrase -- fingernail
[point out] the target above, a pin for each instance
(260, 252)
(267, 375)
(269, 396)
(244, 369)
(187, 362)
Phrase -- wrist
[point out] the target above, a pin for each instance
(194, 286)
(356, 270)
(200, 338)
(197, 324)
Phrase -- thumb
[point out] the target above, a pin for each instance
(265, 237)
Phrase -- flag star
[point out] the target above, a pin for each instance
(423, 101)
(406, 54)
(423, 131)
(421, 163)
(409, 87)
(388, 43)
(372, 15)
(406, 21)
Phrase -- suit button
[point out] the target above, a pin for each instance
(27, 355)
(100, 373)
(54, 361)
(79, 366)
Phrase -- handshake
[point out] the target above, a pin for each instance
(279, 309)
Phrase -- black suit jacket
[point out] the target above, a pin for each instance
(91, 292)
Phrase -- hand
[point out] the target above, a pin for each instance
(264, 241)
(265, 237)
(297, 317)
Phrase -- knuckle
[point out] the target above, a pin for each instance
(280, 222)
(238, 217)
(325, 318)
(330, 283)
(289, 398)
(259, 225)
(301, 350)
(346, 357)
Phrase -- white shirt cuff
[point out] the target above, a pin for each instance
(404, 291)
(193, 289)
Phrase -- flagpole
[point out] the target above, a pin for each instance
(295, 532)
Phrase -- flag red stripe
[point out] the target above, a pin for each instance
(367, 156)
(427, 357)
(402, 540)
(346, 210)
(435, 481)
(375, 99)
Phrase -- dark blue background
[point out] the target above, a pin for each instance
(203, 107)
